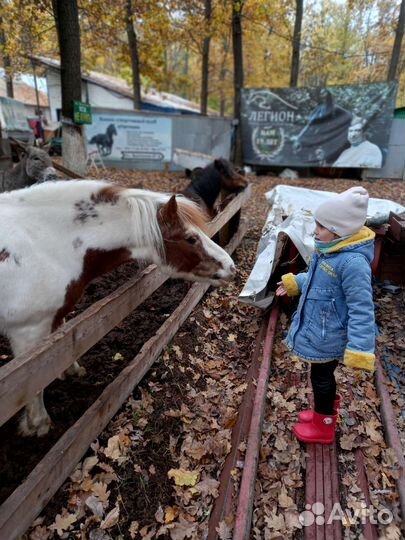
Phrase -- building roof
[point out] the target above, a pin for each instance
(151, 98)
(24, 93)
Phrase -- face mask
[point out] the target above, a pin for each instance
(324, 247)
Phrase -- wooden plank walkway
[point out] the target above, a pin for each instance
(322, 492)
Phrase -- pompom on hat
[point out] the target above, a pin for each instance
(344, 214)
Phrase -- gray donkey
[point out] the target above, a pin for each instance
(35, 167)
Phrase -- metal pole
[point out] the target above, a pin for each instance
(36, 91)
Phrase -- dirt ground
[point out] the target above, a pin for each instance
(153, 473)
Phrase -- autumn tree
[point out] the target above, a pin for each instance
(396, 51)
(67, 24)
(6, 59)
(296, 43)
(133, 49)
(237, 45)
(205, 58)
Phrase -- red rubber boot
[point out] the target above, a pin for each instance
(306, 416)
(320, 430)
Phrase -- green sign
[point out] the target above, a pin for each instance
(81, 113)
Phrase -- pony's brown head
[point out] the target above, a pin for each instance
(231, 178)
(189, 252)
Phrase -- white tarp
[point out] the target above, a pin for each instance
(298, 204)
(12, 115)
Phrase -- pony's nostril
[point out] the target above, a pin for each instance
(232, 269)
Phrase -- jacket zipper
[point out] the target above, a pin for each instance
(323, 324)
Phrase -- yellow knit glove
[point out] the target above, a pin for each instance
(290, 284)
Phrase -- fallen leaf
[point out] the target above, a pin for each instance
(347, 441)
(182, 529)
(95, 506)
(183, 477)
(275, 521)
(111, 518)
(99, 534)
(160, 515)
(392, 532)
(40, 533)
(208, 486)
(178, 352)
(171, 513)
(63, 523)
(284, 500)
(100, 490)
(224, 531)
(133, 529)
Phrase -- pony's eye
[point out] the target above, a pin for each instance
(191, 239)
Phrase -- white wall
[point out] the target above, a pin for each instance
(91, 93)
(101, 97)
(55, 92)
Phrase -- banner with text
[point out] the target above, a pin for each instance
(334, 126)
(130, 137)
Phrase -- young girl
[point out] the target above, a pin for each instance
(335, 315)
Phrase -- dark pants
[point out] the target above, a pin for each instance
(324, 386)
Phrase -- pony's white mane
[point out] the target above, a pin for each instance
(144, 206)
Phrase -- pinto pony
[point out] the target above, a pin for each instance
(56, 237)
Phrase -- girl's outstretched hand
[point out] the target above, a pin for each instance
(281, 290)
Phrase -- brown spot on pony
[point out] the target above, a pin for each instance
(4, 255)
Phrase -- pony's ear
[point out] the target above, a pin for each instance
(169, 211)
(219, 165)
(46, 147)
(24, 146)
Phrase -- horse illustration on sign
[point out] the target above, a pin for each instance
(104, 141)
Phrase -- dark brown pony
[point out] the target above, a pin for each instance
(215, 181)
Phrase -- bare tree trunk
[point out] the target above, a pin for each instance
(74, 149)
(222, 75)
(133, 48)
(396, 51)
(6, 62)
(296, 44)
(237, 7)
(205, 58)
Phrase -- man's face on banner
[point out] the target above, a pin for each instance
(355, 134)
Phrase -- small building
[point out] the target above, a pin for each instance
(109, 92)
(147, 139)
(26, 94)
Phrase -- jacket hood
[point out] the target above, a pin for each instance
(361, 242)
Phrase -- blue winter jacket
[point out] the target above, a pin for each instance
(335, 314)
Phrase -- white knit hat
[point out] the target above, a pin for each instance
(344, 214)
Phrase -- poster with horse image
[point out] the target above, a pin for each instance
(130, 137)
(334, 126)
